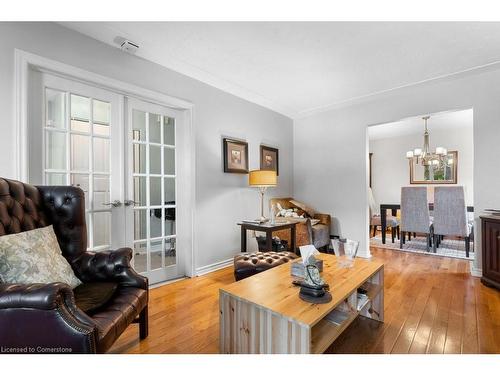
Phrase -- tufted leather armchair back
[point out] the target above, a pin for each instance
(26, 207)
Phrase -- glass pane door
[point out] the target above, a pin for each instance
(124, 154)
(153, 188)
(77, 135)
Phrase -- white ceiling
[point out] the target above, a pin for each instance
(415, 125)
(299, 68)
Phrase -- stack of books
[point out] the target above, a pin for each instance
(337, 317)
(257, 222)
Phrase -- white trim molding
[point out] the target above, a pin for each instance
(21, 67)
(365, 254)
(369, 96)
(24, 61)
(477, 272)
(214, 267)
(172, 281)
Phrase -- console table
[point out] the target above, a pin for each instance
(264, 314)
(268, 229)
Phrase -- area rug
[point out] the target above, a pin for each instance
(449, 247)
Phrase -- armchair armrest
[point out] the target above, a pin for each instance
(44, 316)
(35, 296)
(109, 266)
(323, 218)
(41, 297)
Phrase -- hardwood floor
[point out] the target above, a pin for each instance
(432, 305)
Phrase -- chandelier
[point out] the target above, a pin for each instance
(424, 156)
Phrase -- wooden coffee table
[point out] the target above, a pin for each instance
(264, 314)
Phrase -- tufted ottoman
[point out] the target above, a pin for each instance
(249, 264)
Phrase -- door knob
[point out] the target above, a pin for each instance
(115, 203)
(129, 202)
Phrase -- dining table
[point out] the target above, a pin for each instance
(394, 210)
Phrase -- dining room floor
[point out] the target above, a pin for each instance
(453, 248)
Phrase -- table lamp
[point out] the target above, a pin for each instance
(262, 180)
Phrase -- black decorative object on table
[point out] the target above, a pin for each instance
(313, 288)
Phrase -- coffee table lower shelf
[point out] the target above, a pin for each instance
(325, 333)
(247, 327)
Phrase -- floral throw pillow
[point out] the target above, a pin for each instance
(34, 257)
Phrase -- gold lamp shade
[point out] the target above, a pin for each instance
(260, 178)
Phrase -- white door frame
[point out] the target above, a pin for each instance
(24, 61)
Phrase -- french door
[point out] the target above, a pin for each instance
(152, 183)
(122, 153)
(78, 133)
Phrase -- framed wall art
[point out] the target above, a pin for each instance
(269, 159)
(235, 156)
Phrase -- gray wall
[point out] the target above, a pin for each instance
(335, 143)
(221, 199)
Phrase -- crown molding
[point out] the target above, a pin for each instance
(253, 97)
(495, 65)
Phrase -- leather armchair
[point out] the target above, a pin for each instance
(45, 317)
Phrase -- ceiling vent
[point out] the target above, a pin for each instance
(126, 45)
(129, 47)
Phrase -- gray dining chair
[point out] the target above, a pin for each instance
(415, 213)
(450, 215)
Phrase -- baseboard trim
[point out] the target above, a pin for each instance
(366, 254)
(477, 272)
(213, 267)
(163, 283)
